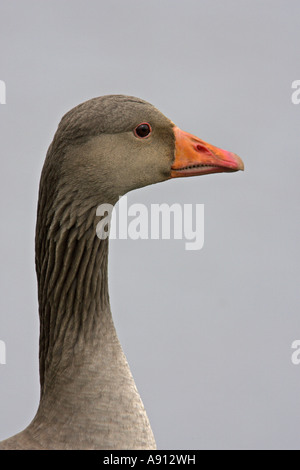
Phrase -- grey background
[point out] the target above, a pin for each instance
(207, 334)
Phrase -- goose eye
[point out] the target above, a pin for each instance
(143, 130)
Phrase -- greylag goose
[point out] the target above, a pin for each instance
(102, 149)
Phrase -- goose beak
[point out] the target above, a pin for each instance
(195, 157)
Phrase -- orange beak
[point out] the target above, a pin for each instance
(195, 157)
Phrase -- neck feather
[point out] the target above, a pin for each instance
(88, 396)
(72, 281)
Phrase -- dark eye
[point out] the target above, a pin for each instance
(143, 130)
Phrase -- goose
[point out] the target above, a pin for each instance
(102, 149)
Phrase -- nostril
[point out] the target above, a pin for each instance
(202, 149)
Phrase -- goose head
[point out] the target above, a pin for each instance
(125, 143)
